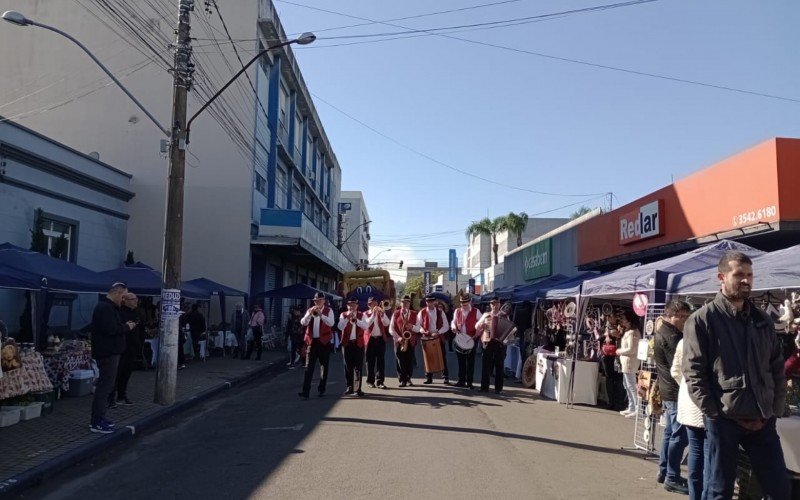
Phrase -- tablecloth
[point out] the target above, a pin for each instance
(30, 377)
(59, 366)
(514, 361)
(789, 432)
(585, 386)
(546, 374)
(230, 340)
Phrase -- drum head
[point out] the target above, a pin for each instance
(463, 343)
(529, 372)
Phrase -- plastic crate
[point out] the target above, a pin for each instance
(9, 417)
(47, 398)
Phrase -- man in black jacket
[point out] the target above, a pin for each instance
(133, 349)
(108, 343)
(733, 368)
(675, 438)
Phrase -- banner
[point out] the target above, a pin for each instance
(426, 279)
(453, 264)
(537, 260)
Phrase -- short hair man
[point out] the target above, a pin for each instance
(669, 333)
(108, 343)
(733, 368)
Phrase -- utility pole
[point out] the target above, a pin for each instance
(166, 373)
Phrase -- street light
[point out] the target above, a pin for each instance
(18, 19)
(303, 39)
(341, 244)
(382, 251)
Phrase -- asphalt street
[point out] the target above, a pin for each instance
(428, 441)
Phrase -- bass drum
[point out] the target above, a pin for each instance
(529, 372)
(463, 343)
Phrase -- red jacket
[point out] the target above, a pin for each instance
(368, 331)
(349, 330)
(325, 331)
(397, 321)
(471, 320)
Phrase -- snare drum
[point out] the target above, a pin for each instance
(464, 343)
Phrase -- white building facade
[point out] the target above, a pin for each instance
(354, 225)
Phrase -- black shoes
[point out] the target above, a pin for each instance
(446, 381)
(382, 386)
(403, 384)
(460, 384)
(360, 393)
(370, 385)
(471, 387)
(303, 395)
(660, 478)
(428, 382)
(676, 487)
(349, 391)
(125, 401)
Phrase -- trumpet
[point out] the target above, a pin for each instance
(404, 342)
(353, 319)
(386, 304)
(315, 311)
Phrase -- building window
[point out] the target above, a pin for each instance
(61, 238)
(309, 149)
(297, 196)
(283, 121)
(308, 209)
(317, 216)
(281, 187)
(298, 135)
(261, 184)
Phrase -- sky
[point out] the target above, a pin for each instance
(403, 115)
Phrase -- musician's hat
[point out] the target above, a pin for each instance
(430, 298)
(352, 300)
(464, 298)
(319, 295)
(494, 301)
(406, 298)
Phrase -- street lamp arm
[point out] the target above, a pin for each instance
(306, 38)
(107, 72)
(352, 233)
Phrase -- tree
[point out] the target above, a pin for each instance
(581, 211)
(400, 289)
(514, 224)
(38, 238)
(60, 247)
(486, 227)
(416, 285)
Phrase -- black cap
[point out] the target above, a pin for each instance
(352, 300)
(406, 298)
(430, 297)
(494, 300)
(319, 295)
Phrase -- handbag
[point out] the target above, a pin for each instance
(609, 349)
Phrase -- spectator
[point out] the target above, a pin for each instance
(240, 320)
(257, 324)
(3, 331)
(667, 336)
(129, 312)
(108, 343)
(627, 357)
(182, 323)
(294, 335)
(197, 325)
(690, 416)
(733, 366)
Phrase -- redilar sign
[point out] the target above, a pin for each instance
(642, 223)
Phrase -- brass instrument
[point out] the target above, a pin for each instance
(405, 341)
(386, 304)
(353, 319)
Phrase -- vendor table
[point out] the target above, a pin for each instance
(514, 361)
(553, 374)
(60, 364)
(30, 377)
(789, 432)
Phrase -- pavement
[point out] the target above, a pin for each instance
(429, 441)
(37, 449)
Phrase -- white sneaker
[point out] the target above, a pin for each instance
(630, 414)
(624, 412)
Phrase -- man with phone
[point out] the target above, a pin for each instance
(129, 312)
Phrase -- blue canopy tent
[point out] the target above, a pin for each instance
(296, 291)
(24, 269)
(565, 289)
(524, 293)
(502, 293)
(214, 288)
(656, 278)
(142, 279)
(778, 270)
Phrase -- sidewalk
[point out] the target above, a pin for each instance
(34, 449)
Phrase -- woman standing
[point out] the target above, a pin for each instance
(628, 348)
(690, 416)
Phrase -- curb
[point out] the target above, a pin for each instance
(36, 475)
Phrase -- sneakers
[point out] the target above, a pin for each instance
(628, 413)
(125, 401)
(428, 382)
(349, 391)
(660, 478)
(460, 384)
(112, 405)
(370, 385)
(403, 384)
(303, 395)
(382, 386)
(102, 426)
(676, 487)
(360, 393)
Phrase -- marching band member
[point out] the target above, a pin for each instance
(432, 323)
(318, 321)
(402, 327)
(465, 321)
(375, 335)
(351, 324)
(494, 352)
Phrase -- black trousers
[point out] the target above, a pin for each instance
(466, 366)
(256, 343)
(494, 354)
(614, 390)
(353, 366)
(127, 362)
(445, 373)
(105, 384)
(405, 363)
(181, 342)
(376, 360)
(317, 352)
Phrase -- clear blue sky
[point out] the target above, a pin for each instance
(535, 122)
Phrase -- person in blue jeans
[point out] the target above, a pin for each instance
(690, 416)
(668, 334)
(733, 368)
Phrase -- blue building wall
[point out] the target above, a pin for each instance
(70, 187)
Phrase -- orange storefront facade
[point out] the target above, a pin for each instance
(751, 197)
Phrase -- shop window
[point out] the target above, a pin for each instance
(61, 236)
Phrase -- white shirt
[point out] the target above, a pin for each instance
(344, 323)
(326, 318)
(405, 314)
(432, 315)
(464, 314)
(373, 323)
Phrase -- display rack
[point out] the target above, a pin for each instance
(648, 431)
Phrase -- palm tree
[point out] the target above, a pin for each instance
(487, 227)
(514, 224)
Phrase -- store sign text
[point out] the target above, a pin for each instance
(641, 224)
(536, 260)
